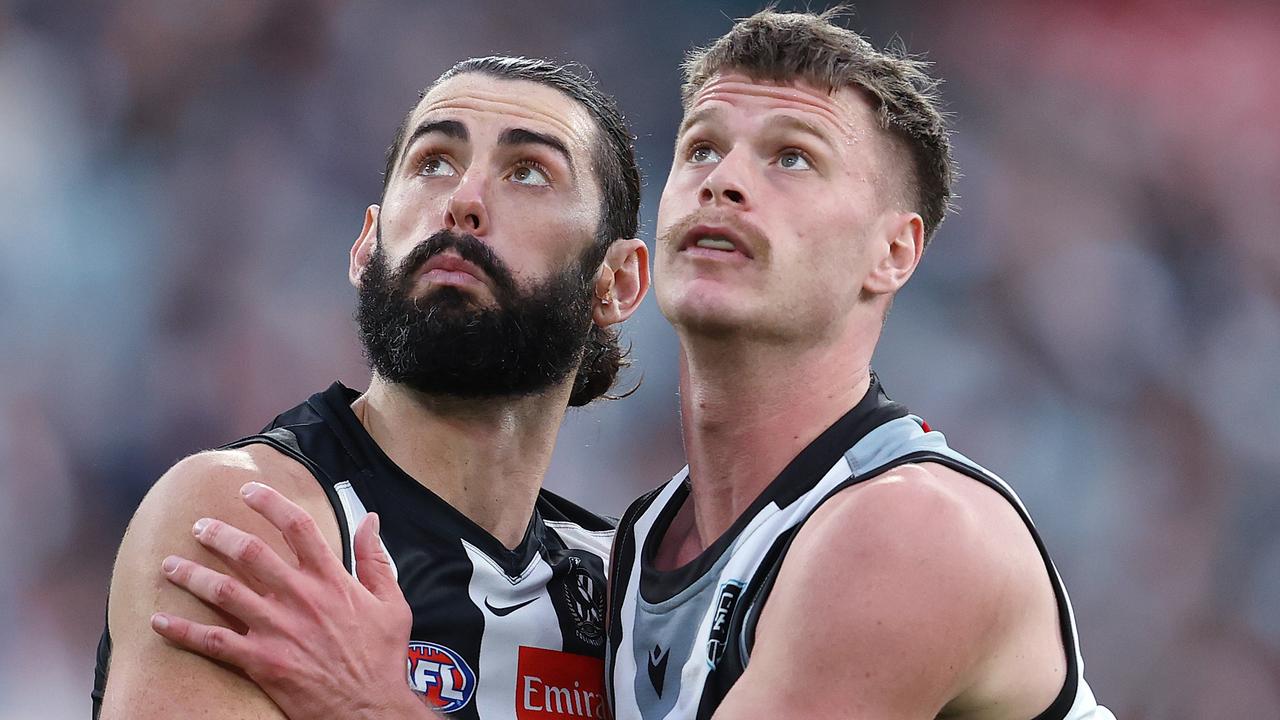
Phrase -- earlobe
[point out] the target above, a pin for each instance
(621, 283)
(364, 245)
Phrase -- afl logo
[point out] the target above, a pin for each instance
(440, 676)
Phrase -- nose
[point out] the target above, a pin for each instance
(465, 211)
(726, 184)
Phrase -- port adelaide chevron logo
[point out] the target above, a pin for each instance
(440, 675)
(726, 601)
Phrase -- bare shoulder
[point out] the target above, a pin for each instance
(925, 510)
(212, 480)
(144, 667)
(915, 592)
(208, 484)
(915, 538)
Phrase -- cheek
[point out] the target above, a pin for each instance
(540, 242)
(411, 213)
(679, 198)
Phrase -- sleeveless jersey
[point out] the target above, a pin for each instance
(679, 639)
(497, 633)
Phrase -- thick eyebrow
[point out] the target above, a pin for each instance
(448, 128)
(521, 136)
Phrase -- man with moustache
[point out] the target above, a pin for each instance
(489, 279)
(825, 553)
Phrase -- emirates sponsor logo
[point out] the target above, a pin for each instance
(552, 685)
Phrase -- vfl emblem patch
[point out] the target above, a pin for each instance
(440, 675)
(585, 597)
(726, 601)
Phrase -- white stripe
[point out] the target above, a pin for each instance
(625, 671)
(354, 511)
(596, 542)
(533, 625)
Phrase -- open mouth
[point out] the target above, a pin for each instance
(712, 241)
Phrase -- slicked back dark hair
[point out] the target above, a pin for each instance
(613, 154)
(784, 47)
(613, 160)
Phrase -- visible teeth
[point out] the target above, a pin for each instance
(715, 243)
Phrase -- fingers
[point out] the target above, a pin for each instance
(373, 567)
(299, 529)
(245, 553)
(211, 641)
(221, 591)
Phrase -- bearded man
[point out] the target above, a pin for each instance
(489, 277)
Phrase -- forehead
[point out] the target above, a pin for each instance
(845, 112)
(475, 98)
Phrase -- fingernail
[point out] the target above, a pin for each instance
(250, 488)
(170, 564)
(159, 621)
(200, 525)
(376, 521)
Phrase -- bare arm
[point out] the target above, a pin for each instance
(912, 595)
(150, 678)
(319, 642)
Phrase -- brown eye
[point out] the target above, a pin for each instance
(436, 166)
(530, 175)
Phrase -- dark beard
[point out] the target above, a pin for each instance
(443, 344)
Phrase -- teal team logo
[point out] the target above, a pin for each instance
(726, 601)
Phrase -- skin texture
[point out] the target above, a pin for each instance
(537, 209)
(945, 607)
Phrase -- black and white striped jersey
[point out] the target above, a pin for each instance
(497, 633)
(679, 639)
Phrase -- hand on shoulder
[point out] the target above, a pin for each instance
(147, 672)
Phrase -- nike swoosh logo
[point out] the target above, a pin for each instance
(503, 611)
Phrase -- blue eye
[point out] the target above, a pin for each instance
(704, 155)
(530, 174)
(793, 160)
(436, 166)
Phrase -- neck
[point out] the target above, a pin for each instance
(749, 408)
(485, 457)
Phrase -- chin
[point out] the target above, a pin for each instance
(708, 317)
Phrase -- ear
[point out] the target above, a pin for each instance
(621, 282)
(365, 243)
(902, 245)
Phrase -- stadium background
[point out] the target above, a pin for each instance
(180, 182)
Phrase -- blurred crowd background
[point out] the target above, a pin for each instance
(180, 181)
